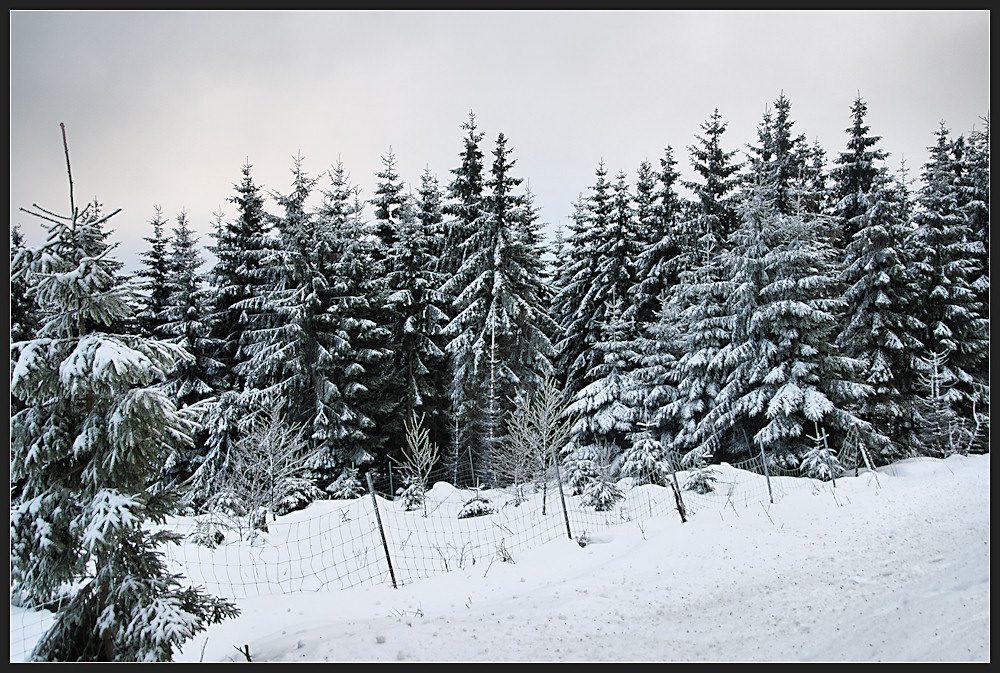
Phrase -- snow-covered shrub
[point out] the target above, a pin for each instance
(821, 463)
(412, 496)
(207, 533)
(602, 495)
(347, 486)
(295, 493)
(702, 480)
(476, 506)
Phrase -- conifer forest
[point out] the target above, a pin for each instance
(782, 303)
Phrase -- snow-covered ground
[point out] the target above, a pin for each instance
(892, 566)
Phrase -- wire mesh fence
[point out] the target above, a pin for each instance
(382, 538)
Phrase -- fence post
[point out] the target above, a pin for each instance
(677, 490)
(378, 519)
(562, 498)
(767, 475)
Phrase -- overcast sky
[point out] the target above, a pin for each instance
(164, 108)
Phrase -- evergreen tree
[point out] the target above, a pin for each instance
(389, 197)
(659, 213)
(856, 172)
(93, 431)
(607, 409)
(580, 307)
(498, 339)
(716, 210)
(463, 208)
(780, 159)
(155, 269)
(359, 350)
(239, 278)
(187, 322)
(239, 283)
(415, 305)
(946, 261)
(788, 379)
(879, 326)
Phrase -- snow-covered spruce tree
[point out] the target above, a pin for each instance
(94, 430)
(25, 317)
(291, 358)
(659, 214)
(359, 349)
(855, 173)
(417, 319)
(879, 327)
(787, 374)
(704, 332)
(239, 277)
(155, 269)
(187, 319)
(780, 157)
(464, 200)
(580, 307)
(238, 284)
(498, 337)
(389, 197)
(946, 253)
(607, 409)
(695, 320)
(187, 323)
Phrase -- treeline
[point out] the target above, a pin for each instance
(786, 309)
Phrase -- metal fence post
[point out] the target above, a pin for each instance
(378, 519)
(562, 498)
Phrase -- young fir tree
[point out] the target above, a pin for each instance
(855, 174)
(879, 327)
(93, 431)
(788, 378)
(155, 269)
(946, 262)
(498, 337)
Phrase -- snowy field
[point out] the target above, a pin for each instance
(884, 567)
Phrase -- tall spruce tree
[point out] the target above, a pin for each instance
(239, 282)
(359, 349)
(879, 327)
(388, 199)
(93, 431)
(788, 379)
(464, 200)
(416, 307)
(659, 212)
(155, 269)
(854, 176)
(946, 261)
(580, 307)
(498, 342)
